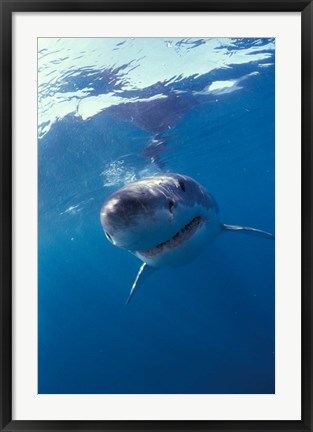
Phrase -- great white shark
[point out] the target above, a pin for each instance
(165, 220)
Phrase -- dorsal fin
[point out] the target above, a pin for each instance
(147, 271)
(248, 230)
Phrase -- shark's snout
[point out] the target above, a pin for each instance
(114, 216)
(124, 216)
(119, 210)
(124, 211)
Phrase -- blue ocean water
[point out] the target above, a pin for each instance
(115, 110)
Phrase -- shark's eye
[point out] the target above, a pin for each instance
(182, 185)
(108, 236)
(171, 206)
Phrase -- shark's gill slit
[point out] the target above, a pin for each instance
(180, 237)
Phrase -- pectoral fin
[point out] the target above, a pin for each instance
(248, 230)
(143, 272)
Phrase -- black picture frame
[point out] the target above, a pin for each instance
(7, 9)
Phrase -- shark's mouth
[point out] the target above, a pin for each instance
(178, 239)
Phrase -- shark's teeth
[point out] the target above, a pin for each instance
(180, 237)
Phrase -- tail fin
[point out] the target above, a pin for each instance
(248, 230)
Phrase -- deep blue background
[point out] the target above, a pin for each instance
(204, 328)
